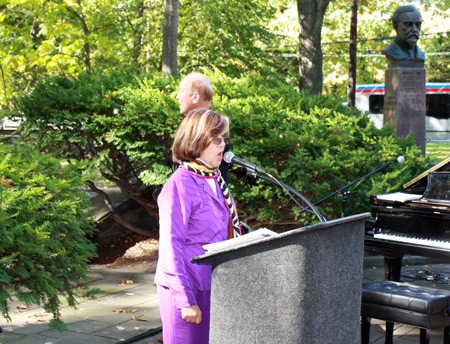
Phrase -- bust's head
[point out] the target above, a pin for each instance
(407, 22)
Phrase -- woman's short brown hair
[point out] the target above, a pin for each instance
(196, 132)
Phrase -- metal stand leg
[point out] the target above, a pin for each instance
(447, 335)
(365, 330)
(389, 333)
(392, 266)
(424, 336)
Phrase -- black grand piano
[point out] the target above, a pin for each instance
(415, 221)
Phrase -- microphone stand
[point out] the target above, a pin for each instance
(344, 195)
(285, 186)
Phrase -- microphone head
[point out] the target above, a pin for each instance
(401, 159)
(228, 156)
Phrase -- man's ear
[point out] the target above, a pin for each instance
(195, 98)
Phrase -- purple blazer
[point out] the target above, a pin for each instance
(190, 215)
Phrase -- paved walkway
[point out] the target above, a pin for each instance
(125, 306)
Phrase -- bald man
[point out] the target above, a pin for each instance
(195, 92)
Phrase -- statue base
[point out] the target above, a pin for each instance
(405, 102)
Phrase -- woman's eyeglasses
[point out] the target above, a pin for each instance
(218, 140)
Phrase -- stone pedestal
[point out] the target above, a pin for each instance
(405, 102)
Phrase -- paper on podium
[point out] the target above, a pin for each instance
(243, 239)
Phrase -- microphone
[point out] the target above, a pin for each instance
(229, 157)
(400, 159)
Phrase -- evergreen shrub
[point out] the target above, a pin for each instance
(119, 122)
(311, 143)
(124, 126)
(116, 124)
(44, 231)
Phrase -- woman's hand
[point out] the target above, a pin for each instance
(192, 314)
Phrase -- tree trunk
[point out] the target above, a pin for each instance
(131, 192)
(117, 217)
(352, 54)
(138, 31)
(310, 17)
(86, 32)
(170, 38)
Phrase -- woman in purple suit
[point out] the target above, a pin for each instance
(195, 208)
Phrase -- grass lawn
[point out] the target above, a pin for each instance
(438, 150)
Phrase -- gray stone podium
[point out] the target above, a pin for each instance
(301, 286)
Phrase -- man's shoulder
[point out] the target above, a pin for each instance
(420, 55)
(394, 50)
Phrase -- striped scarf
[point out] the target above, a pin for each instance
(204, 172)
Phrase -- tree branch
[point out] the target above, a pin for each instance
(116, 216)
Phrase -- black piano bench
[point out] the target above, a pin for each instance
(395, 302)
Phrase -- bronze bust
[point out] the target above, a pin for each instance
(403, 52)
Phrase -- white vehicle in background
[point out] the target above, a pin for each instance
(370, 98)
(9, 125)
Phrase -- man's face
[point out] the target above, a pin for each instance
(185, 97)
(408, 30)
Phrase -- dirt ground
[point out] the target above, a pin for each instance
(132, 252)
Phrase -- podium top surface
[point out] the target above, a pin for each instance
(249, 240)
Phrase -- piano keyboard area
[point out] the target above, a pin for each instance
(413, 240)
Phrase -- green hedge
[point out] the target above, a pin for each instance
(45, 249)
(314, 144)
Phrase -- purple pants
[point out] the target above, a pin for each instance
(175, 329)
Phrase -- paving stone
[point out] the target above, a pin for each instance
(77, 337)
(124, 330)
(9, 337)
(25, 327)
(89, 326)
(38, 339)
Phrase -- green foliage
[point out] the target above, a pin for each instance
(117, 124)
(375, 32)
(226, 35)
(42, 38)
(44, 230)
(313, 144)
(120, 122)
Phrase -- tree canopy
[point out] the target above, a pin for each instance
(42, 38)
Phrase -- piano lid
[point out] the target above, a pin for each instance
(421, 180)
